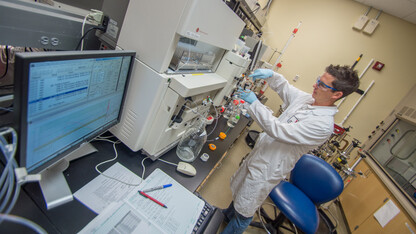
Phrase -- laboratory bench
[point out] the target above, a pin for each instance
(73, 216)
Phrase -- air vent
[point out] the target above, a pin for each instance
(414, 115)
(403, 110)
(128, 125)
(409, 112)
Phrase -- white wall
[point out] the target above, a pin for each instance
(326, 36)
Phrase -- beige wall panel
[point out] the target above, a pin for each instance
(326, 36)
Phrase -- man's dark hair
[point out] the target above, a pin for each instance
(346, 79)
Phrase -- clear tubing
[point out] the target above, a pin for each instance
(9, 186)
(7, 179)
(8, 153)
(14, 200)
(5, 183)
(287, 44)
(23, 221)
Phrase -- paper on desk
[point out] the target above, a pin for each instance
(120, 218)
(102, 191)
(184, 208)
(386, 213)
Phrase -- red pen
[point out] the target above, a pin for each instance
(151, 198)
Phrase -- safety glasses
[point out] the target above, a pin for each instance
(323, 85)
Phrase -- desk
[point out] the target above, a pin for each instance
(73, 216)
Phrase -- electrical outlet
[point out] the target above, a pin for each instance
(296, 78)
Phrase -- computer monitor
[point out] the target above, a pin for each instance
(63, 100)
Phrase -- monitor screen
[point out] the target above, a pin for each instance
(64, 99)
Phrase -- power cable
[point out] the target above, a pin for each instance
(83, 36)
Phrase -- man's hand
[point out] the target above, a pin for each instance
(247, 95)
(261, 74)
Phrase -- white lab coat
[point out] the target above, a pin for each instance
(299, 129)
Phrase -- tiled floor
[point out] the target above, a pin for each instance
(217, 190)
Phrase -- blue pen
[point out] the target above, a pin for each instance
(156, 188)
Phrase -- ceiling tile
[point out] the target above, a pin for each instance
(404, 9)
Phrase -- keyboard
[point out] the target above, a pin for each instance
(204, 218)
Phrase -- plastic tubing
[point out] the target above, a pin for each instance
(7, 179)
(9, 188)
(8, 153)
(14, 200)
(23, 221)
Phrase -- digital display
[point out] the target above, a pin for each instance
(70, 101)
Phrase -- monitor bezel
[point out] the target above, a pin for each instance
(22, 64)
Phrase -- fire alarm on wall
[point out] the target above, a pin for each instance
(378, 66)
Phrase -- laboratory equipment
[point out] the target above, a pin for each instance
(204, 157)
(62, 101)
(38, 25)
(212, 147)
(358, 102)
(234, 114)
(229, 109)
(231, 68)
(391, 150)
(192, 141)
(359, 77)
(183, 50)
(286, 45)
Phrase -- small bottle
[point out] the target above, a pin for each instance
(241, 106)
(235, 114)
(192, 142)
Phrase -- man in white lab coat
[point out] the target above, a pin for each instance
(306, 123)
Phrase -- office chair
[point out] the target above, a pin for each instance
(312, 182)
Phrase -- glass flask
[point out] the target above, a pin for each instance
(192, 142)
(230, 108)
(227, 111)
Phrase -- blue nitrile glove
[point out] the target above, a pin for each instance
(261, 74)
(247, 95)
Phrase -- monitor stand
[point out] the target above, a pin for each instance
(53, 184)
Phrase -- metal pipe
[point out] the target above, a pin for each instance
(356, 163)
(362, 73)
(356, 104)
(368, 11)
(378, 15)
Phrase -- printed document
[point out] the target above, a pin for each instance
(102, 191)
(386, 213)
(139, 213)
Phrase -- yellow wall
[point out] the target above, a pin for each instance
(326, 36)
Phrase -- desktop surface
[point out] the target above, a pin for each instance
(73, 216)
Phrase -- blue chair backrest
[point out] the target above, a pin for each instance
(317, 179)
